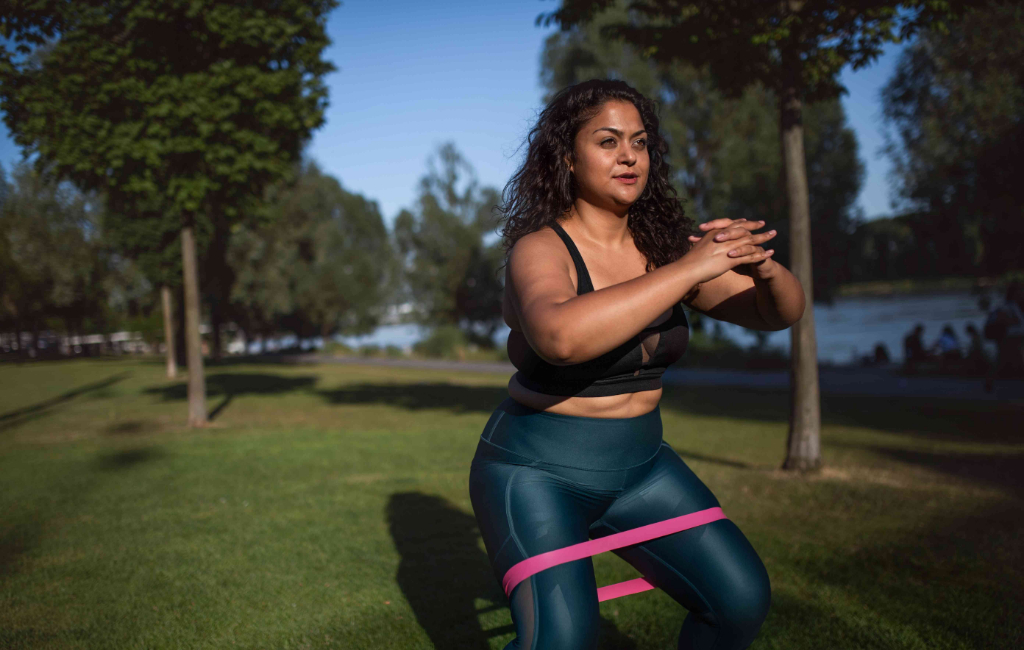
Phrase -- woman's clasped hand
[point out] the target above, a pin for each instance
(730, 244)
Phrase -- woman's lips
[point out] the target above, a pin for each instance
(628, 180)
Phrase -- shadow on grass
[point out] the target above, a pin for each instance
(20, 416)
(127, 458)
(935, 419)
(727, 462)
(1003, 471)
(454, 397)
(128, 428)
(956, 584)
(16, 539)
(232, 385)
(443, 573)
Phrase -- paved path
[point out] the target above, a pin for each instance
(849, 381)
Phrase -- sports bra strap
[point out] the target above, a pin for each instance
(583, 283)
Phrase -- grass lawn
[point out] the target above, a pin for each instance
(327, 507)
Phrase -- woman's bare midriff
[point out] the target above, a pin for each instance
(627, 405)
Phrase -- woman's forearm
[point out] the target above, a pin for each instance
(587, 326)
(780, 298)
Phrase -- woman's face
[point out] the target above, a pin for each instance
(612, 163)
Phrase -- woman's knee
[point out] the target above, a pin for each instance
(743, 609)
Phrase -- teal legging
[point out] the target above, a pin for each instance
(542, 481)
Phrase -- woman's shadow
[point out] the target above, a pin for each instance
(446, 577)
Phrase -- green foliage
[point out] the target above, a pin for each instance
(711, 351)
(321, 263)
(179, 107)
(52, 258)
(800, 44)
(369, 350)
(180, 112)
(451, 276)
(444, 342)
(337, 348)
(725, 152)
(955, 108)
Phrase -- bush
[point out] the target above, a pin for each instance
(394, 351)
(445, 342)
(369, 350)
(501, 353)
(337, 349)
(706, 351)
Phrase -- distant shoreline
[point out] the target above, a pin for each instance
(881, 288)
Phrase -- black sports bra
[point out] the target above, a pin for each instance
(634, 366)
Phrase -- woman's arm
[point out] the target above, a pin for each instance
(564, 328)
(762, 295)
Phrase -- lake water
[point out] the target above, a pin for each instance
(847, 330)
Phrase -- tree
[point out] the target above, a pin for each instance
(795, 48)
(748, 179)
(185, 109)
(154, 243)
(724, 152)
(452, 276)
(320, 261)
(955, 111)
(53, 261)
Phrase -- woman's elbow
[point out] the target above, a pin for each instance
(554, 348)
(561, 352)
(796, 312)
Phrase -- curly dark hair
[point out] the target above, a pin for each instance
(543, 189)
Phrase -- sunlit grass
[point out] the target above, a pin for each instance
(326, 507)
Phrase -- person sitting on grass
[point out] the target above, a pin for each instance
(914, 351)
(947, 348)
(977, 360)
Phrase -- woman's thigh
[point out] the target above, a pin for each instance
(524, 511)
(712, 570)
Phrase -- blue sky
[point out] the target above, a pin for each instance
(412, 75)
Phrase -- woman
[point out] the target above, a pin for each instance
(600, 258)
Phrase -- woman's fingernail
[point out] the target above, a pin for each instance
(769, 251)
(771, 232)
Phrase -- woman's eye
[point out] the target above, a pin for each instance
(607, 141)
(642, 142)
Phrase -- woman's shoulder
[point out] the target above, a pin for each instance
(543, 242)
(540, 256)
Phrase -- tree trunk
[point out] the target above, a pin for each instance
(193, 342)
(179, 329)
(215, 321)
(219, 279)
(172, 362)
(803, 450)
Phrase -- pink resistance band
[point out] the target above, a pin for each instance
(532, 565)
